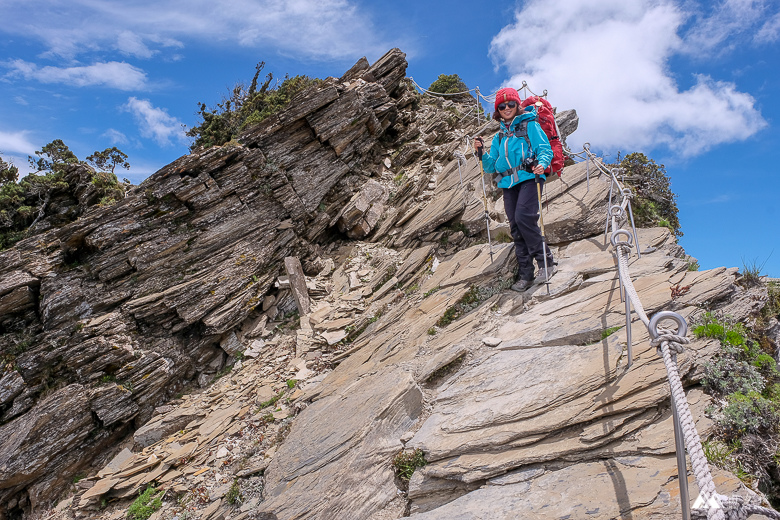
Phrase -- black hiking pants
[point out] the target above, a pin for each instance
(522, 209)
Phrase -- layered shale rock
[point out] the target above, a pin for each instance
(132, 301)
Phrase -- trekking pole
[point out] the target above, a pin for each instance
(544, 240)
(484, 198)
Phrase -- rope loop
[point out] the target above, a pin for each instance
(616, 211)
(624, 243)
(675, 343)
(734, 508)
(682, 325)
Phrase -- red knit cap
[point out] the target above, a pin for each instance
(506, 94)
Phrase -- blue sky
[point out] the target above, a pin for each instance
(692, 84)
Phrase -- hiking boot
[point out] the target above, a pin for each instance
(521, 285)
(543, 275)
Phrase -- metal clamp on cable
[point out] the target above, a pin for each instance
(627, 193)
(616, 211)
(614, 238)
(676, 341)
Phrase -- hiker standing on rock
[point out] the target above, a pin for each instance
(519, 153)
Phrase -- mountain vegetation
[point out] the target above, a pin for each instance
(448, 84)
(655, 204)
(58, 190)
(245, 106)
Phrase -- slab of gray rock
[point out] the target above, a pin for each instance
(165, 424)
(321, 454)
(575, 211)
(11, 385)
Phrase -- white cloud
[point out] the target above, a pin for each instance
(713, 31)
(11, 142)
(115, 136)
(119, 75)
(318, 29)
(131, 44)
(770, 31)
(609, 60)
(155, 123)
(21, 101)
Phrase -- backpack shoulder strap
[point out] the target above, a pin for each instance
(521, 130)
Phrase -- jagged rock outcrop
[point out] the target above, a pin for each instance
(567, 122)
(133, 300)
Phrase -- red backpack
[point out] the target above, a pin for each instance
(546, 119)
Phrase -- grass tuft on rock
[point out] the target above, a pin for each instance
(145, 505)
(406, 462)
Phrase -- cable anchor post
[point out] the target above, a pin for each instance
(628, 194)
(619, 245)
(476, 91)
(460, 157)
(679, 436)
(586, 148)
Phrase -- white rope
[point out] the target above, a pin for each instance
(712, 501)
(713, 506)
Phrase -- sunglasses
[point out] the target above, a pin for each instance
(508, 104)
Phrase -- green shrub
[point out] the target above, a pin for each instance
(750, 413)
(471, 300)
(244, 107)
(725, 375)
(608, 332)
(504, 238)
(23, 202)
(431, 291)
(448, 84)
(234, 495)
(718, 452)
(772, 307)
(145, 505)
(406, 462)
(751, 272)
(745, 378)
(272, 401)
(654, 202)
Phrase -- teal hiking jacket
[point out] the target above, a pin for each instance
(510, 152)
